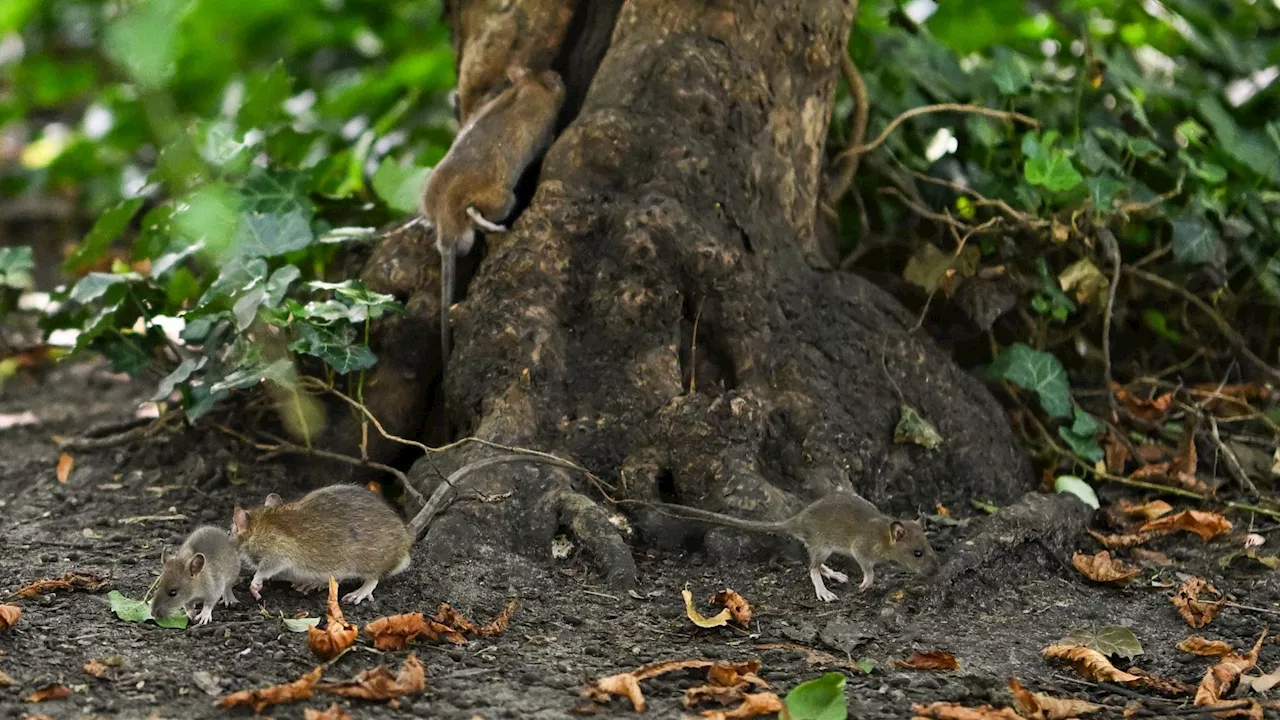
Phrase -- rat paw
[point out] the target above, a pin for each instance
(864, 585)
(835, 575)
(206, 616)
(827, 596)
(355, 597)
(255, 589)
(306, 587)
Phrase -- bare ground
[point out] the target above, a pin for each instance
(995, 616)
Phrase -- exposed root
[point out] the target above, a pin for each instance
(590, 524)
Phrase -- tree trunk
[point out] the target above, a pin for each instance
(660, 312)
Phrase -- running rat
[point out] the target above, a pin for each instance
(838, 523)
(203, 571)
(346, 531)
(472, 186)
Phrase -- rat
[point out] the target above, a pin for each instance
(345, 531)
(203, 570)
(472, 187)
(838, 523)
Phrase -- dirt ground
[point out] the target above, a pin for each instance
(567, 627)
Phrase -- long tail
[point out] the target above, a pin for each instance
(715, 518)
(448, 275)
(444, 492)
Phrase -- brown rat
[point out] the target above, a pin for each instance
(838, 523)
(472, 186)
(202, 571)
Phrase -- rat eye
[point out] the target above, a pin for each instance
(919, 553)
(173, 592)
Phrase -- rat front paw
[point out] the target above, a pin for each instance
(206, 616)
(255, 589)
(827, 596)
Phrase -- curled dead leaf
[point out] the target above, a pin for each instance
(628, 684)
(956, 711)
(65, 464)
(300, 689)
(735, 604)
(1150, 410)
(1090, 663)
(338, 634)
(395, 631)
(95, 668)
(1120, 542)
(1207, 525)
(49, 692)
(1151, 558)
(753, 705)
(932, 660)
(728, 674)
(379, 684)
(1192, 608)
(1197, 645)
(1264, 683)
(1038, 706)
(335, 712)
(1147, 510)
(1102, 568)
(74, 580)
(1221, 679)
(1167, 686)
(1115, 453)
(712, 693)
(721, 618)
(9, 615)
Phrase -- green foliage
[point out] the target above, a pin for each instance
(818, 699)
(1037, 371)
(1075, 486)
(138, 611)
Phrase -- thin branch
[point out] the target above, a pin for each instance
(857, 129)
(1233, 462)
(137, 433)
(924, 212)
(925, 110)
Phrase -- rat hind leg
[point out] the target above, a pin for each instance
(830, 574)
(229, 597)
(817, 557)
(362, 593)
(491, 207)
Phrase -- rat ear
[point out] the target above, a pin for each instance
(273, 500)
(240, 521)
(196, 564)
(897, 531)
(516, 72)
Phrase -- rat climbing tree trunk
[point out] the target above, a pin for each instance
(660, 312)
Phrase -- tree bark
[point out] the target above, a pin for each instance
(661, 314)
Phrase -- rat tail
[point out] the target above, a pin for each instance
(715, 518)
(448, 274)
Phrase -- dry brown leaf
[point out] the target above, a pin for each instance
(395, 631)
(9, 615)
(713, 693)
(1090, 663)
(1221, 679)
(379, 684)
(721, 618)
(260, 698)
(446, 615)
(5, 680)
(1038, 706)
(932, 660)
(1120, 542)
(65, 464)
(335, 712)
(1149, 453)
(1102, 568)
(817, 658)
(729, 674)
(1197, 645)
(49, 692)
(1231, 401)
(764, 703)
(74, 580)
(735, 604)
(653, 670)
(95, 668)
(1115, 452)
(1151, 558)
(942, 510)
(623, 685)
(1175, 688)
(956, 711)
(1147, 510)
(1149, 410)
(1264, 683)
(1207, 525)
(1195, 611)
(338, 634)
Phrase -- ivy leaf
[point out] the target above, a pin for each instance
(1083, 435)
(235, 277)
(105, 231)
(145, 40)
(278, 192)
(1037, 371)
(1052, 170)
(818, 699)
(95, 285)
(400, 187)
(1196, 242)
(138, 611)
(250, 374)
(336, 345)
(1011, 73)
(268, 235)
(264, 97)
(16, 264)
(366, 302)
(278, 284)
(179, 375)
(246, 306)
(912, 427)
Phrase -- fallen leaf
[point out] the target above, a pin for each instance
(713, 693)
(1147, 510)
(1174, 688)
(395, 631)
(1197, 645)
(1101, 568)
(1038, 706)
(628, 684)
(912, 427)
(49, 692)
(728, 674)
(379, 684)
(1151, 558)
(765, 703)
(335, 712)
(956, 711)
(1207, 525)
(1264, 683)
(9, 615)
(735, 603)
(5, 680)
(1195, 611)
(74, 580)
(1221, 679)
(1149, 410)
(1116, 640)
(95, 668)
(131, 610)
(1120, 542)
(1089, 662)
(932, 660)
(446, 615)
(653, 670)
(1115, 452)
(819, 658)
(338, 634)
(65, 464)
(301, 625)
(1084, 277)
(260, 698)
(721, 618)
(1230, 401)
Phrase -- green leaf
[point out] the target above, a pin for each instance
(336, 345)
(269, 235)
(250, 374)
(818, 699)
(1037, 371)
(1116, 640)
(16, 264)
(245, 309)
(145, 40)
(1083, 435)
(138, 611)
(95, 285)
(264, 97)
(300, 625)
(912, 427)
(1156, 321)
(1075, 486)
(1052, 170)
(278, 284)
(1103, 190)
(400, 187)
(355, 293)
(105, 231)
(1011, 74)
(179, 375)
(1196, 242)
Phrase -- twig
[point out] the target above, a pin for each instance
(1251, 608)
(924, 212)
(1233, 337)
(1142, 206)
(693, 350)
(136, 433)
(138, 519)
(1113, 252)
(925, 110)
(1233, 463)
(980, 200)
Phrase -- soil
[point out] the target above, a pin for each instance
(569, 625)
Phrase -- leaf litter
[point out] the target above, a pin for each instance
(379, 684)
(71, 581)
(394, 632)
(9, 615)
(1222, 678)
(932, 660)
(1102, 568)
(1196, 611)
(338, 634)
(736, 608)
(1197, 645)
(1039, 706)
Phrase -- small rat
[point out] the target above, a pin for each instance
(472, 186)
(838, 523)
(204, 570)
